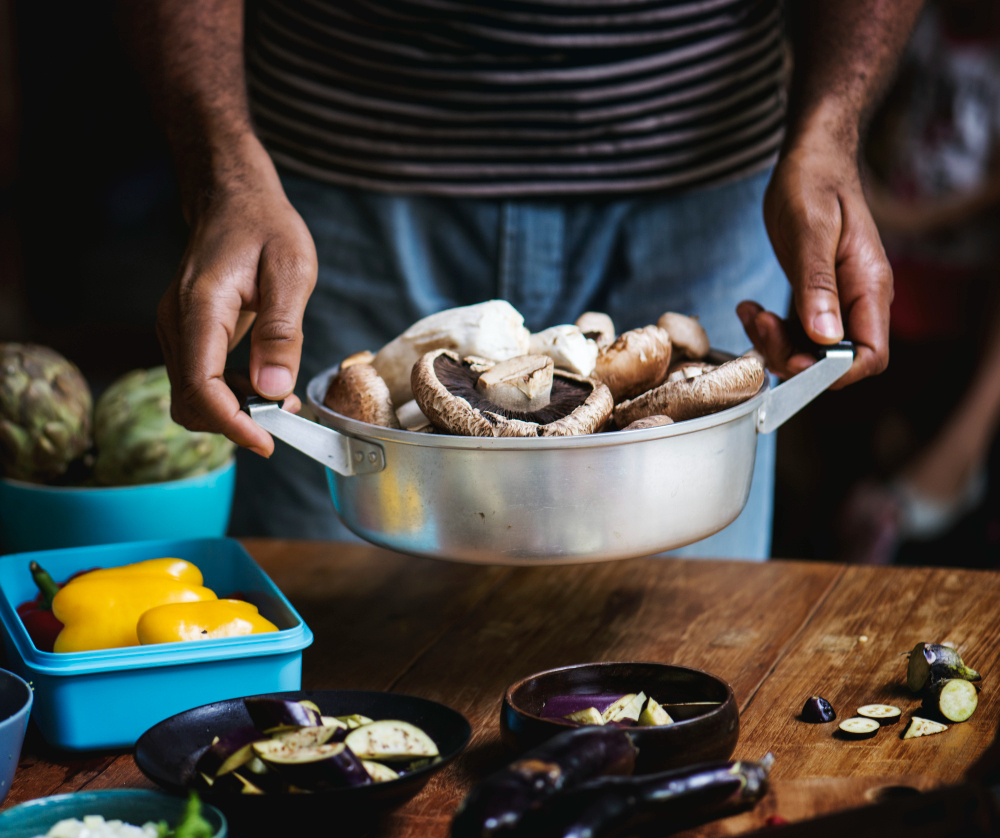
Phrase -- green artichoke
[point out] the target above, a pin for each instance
(138, 442)
(45, 408)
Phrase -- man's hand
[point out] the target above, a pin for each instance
(828, 245)
(249, 256)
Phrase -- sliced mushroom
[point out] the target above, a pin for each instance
(446, 389)
(411, 417)
(649, 422)
(636, 361)
(728, 385)
(568, 347)
(493, 330)
(687, 335)
(597, 326)
(359, 392)
(521, 384)
(686, 370)
(365, 357)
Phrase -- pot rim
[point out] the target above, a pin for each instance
(610, 439)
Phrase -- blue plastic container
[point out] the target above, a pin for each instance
(34, 517)
(108, 698)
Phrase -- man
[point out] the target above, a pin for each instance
(563, 155)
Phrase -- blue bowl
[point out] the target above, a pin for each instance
(15, 707)
(135, 806)
(34, 517)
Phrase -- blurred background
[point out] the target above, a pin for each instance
(901, 468)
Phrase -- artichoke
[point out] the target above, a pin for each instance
(45, 412)
(138, 442)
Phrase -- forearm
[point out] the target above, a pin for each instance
(845, 52)
(190, 53)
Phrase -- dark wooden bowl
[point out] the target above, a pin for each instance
(166, 753)
(700, 731)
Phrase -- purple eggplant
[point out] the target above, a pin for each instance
(497, 805)
(818, 710)
(678, 799)
(271, 714)
(561, 706)
(332, 765)
(229, 752)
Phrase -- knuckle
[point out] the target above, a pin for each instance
(279, 326)
(820, 280)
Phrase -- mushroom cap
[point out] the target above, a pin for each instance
(445, 388)
(685, 369)
(568, 348)
(636, 361)
(364, 357)
(726, 386)
(359, 392)
(687, 335)
(649, 422)
(597, 326)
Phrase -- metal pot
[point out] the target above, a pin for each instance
(544, 500)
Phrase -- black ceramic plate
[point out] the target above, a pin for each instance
(706, 718)
(165, 753)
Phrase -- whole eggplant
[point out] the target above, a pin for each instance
(676, 800)
(933, 662)
(497, 805)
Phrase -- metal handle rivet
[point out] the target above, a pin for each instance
(358, 456)
(372, 457)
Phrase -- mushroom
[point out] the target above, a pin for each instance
(687, 335)
(365, 357)
(636, 361)
(568, 347)
(493, 330)
(411, 417)
(597, 326)
(649, 422)
(358, 392)
(451, 395)
(728, 385)
(686, 370)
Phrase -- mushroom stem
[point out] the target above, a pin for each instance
(523, 383)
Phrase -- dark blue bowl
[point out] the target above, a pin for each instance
(16, 699)
(135, 806)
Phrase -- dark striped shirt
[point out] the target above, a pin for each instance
(519, 97)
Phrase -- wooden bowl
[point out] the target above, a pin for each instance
(706, 719)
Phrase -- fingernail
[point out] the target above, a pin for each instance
(274, 382)
(828, 325)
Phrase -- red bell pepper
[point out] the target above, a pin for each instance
(42, 626)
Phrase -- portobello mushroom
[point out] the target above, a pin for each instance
(687, 336)
(636, 361)
(512, 401)
(358, 392)
(568, 348)
(598, 327)
(497, 805)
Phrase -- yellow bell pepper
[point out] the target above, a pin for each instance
(201, 621)
(100, 609)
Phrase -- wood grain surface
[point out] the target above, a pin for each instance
(778, 632)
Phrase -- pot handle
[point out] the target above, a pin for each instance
(344, 454)
(788, 398)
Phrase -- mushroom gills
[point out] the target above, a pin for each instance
(522, 384)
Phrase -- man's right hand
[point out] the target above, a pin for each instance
(250, 260)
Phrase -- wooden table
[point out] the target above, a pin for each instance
(778, 632)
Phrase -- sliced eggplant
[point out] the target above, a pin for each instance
(681, 798)
(333, 721)
(271, 714)
(884, 714)
(922, 727)
(235, 783)
(627, 707)
(312, 705)
(945, 662)
(955, 699)
(229, 752)
(818, 710)
(316, 766)
(378, 772)
(391, 740)
(561, 706)
(653, 715)
(858, 727)
(590, 716)
(306, 737)
(497, 805)
(354, 721)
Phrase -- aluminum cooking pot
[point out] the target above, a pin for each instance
(554, 500)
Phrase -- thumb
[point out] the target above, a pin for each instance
(286, 276)
(813, 260)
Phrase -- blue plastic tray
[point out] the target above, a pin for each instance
(108, 698)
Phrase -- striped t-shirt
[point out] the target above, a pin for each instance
(518, 97)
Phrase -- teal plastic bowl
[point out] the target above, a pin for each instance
(135, 806)
(34, 517)
(15, 707)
